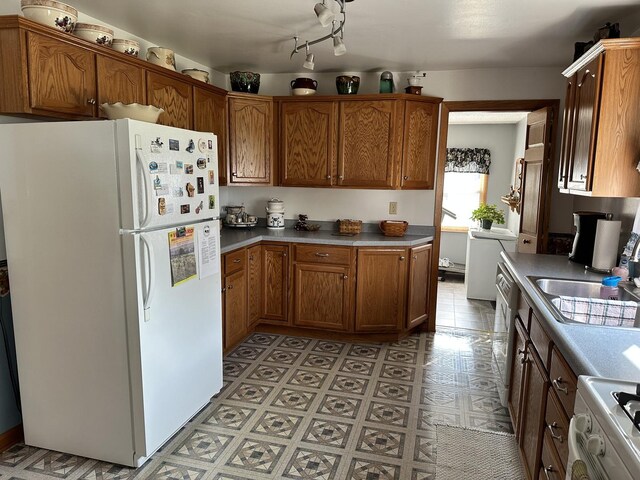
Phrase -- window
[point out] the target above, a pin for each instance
(463, 193)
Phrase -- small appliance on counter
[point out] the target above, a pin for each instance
(275, 214)
(596, 242)
(238, 218)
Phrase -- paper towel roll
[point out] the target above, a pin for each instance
(605, 247)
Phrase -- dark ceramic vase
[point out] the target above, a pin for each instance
(347, 85)
(304, 83)
(247, 82)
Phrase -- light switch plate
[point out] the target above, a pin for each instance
(393, 208)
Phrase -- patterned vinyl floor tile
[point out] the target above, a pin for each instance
(301, 408)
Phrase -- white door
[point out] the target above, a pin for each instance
(168, 176)
(178, 329)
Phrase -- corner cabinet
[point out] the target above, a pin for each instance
(364, 141)
(275, 285)
(176, 98)
(600, 148)
(250, 139)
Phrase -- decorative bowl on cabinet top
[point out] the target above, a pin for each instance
(201, 75)
(134, 111)
(347, 84)
(51, 13)
(248, 82)
(123, 45)
(162, 56)
(94, 33)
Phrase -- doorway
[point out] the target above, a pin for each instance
(478, 314)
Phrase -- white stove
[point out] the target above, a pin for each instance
(604, 432)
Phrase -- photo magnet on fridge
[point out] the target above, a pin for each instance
(153, 167)
(162, 190)
(202, 145)
(162, 167)
(212, 177)
(188, 169)
(210, 142)
(212, 202)
(185, 208)
(162, 206)
(199, 207)
(157, 184)
(191, 190)
(178, 192)
(174, 144)
(202, 163)
(191, 147)
(200, 182)
(156, 145)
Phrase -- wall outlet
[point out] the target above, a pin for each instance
(393, 208)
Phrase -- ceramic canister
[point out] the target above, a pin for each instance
(162, 56)
(274, 205)
(275, 221)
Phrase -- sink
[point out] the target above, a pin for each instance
(550, 289)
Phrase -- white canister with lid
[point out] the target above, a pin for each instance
(274, 205)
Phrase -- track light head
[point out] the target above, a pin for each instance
(324, 14)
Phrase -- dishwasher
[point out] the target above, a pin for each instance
(504, 328)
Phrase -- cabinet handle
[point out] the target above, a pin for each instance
(556, 383)
(525, 241)
(340, 177)
(230, 287)
(521, 352)
(344, 277)
(328, 177)
(525, 359)
(236, 260)
(582, 176)
(406, 177)
(284, 254)
(401, 258)
(251, 258)
(552, 428)
(224, 290)
(91, 101)
(318, 254)
(546, 471)
(234, 174)
(415, 257)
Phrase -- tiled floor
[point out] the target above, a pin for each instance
(297, 408)
(455, 310)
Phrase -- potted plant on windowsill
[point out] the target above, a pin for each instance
(487, 214)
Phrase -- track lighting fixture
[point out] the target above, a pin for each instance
(326, 17)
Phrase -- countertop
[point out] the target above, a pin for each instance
(231, 239)
(590, 350)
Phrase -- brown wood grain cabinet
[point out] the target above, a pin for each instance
(62, 77)
(517, 374)
(601, 143)
(275, 293)
(254, 285)
(250, 139)
(119, 82)
(308, 134)
(368, 147)
(418, 285)
(567, 131)
(175, 97)
(380, 290)
(235, 308)
(419, 145)
(210, 115)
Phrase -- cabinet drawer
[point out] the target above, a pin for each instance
(563, 381)
(235, 261)
(540, 340)
(552, 467)
(323, 254)
(557, 425)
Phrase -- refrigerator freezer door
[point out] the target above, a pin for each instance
(168, 176)
(177, 330)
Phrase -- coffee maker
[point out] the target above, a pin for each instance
(586, 224)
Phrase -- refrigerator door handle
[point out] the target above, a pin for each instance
(147, 191)
(150, 277)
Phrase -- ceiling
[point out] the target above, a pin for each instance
(380, 34)
(470, 118)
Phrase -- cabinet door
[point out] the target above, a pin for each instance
(210, 115)
(173, 96)
(419, 273)
(62, 77)
(250, 140)
(380, 291)
(419, 150)
(254, 290)
(585, 114)
(368, 146)
(321, 296)
(533, 401)
(235, 308)
(517, 371)
(119, 82)
(308, 143)
(275, 268)
(567, 131)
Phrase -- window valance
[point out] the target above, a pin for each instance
(468, 160)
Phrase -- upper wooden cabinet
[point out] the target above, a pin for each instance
(175, 97)
(419, 149)
(210, 115)
(250, 139)
(119, 82)
(368, 141)
(600, 142)
(308, 143)
(62, 77)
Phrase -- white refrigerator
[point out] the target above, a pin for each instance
(112, 236)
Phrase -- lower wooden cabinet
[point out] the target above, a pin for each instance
(380, 297)
(275, 294)
(235, 308)
(254, 285)
(322, 296)
(517, 374)
(418, 287)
